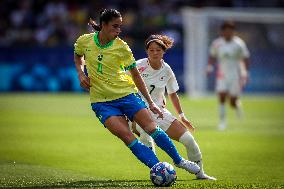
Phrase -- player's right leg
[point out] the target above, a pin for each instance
(118, 126)
(114, 120)
(221, 89)
(222, 110)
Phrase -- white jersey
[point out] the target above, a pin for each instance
(157, 81)
(229, 55)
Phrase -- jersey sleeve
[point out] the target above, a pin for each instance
(172, 84)
(129, 60)
(244, 50)
(78, 46)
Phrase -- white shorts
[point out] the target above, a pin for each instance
(232, 86)
(164, 123)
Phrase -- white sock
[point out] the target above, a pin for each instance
(146, 139)
(192, 148)
(239, 109)
(222, 113)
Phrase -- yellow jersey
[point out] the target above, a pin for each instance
(106, 66)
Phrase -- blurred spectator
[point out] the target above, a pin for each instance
(59, 22)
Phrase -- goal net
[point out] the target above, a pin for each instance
(261, 29)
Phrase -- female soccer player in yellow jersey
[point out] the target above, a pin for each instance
(158, 77)
(113, 93)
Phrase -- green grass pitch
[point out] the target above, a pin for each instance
(55, 141)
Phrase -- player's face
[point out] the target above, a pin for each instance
(155, 52)
(113, 28)
(228, 33)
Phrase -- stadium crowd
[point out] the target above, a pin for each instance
(59, 22)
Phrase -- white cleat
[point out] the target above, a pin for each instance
(204, 177)
(189, 166)
(240, 114)
(222, 126)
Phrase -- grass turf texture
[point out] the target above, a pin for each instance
(55, 141)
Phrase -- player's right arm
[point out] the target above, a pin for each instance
(79, 61)
(84, 80)
(210, 65)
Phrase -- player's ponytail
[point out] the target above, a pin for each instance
(94, 25)
(167, 41)
(106, 15)
(164, 41)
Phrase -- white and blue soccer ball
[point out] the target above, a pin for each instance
(163, 174)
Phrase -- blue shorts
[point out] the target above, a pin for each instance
(125, 106)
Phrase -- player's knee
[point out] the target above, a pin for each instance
(126, 137)
(149, 127)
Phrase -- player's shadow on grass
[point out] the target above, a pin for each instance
(96, 184)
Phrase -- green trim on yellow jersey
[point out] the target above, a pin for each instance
(131, 66)
(96, 39)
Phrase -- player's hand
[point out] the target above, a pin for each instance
(187, 124)
(244, 79)
(156, 110)
(84, 81)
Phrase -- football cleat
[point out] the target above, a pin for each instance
(204, 177)
(189, 166)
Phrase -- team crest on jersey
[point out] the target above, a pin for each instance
(100, 57)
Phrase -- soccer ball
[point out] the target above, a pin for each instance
(163, 174)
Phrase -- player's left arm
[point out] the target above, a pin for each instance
(172, 88)
(246, 63)
(176, 103)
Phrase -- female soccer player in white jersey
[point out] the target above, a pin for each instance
(232, 56)
(113, 93)
(158, 77)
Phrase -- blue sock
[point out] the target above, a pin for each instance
(164, 142)
(143, 153)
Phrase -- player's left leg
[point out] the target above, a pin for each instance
(135, 109)
(179, 133)
(235, 102)
(222, 111)
(118, 126)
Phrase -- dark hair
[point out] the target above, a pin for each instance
(106, 15)
(162, 40)
(228, 25)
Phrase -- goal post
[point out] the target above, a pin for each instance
(201, 26)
